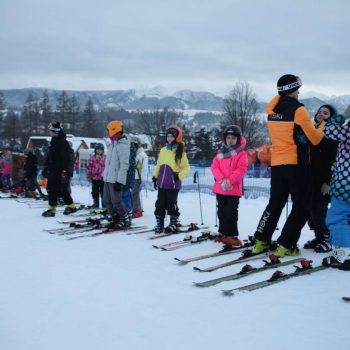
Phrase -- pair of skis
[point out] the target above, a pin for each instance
(306, 268)
(215, 254)
(108, 231)
(248, 270)
(181, 229)
(187, 241)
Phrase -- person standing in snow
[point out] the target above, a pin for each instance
(95, 168)
(114, 175)
(171, 168)
(140, 178)
(229, 167)
(322, 158)
(291, 130)
(58, 169)
(338, 216)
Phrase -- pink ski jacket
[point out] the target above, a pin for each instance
(233, 168)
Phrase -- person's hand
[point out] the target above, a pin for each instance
(118, 187)
(226, 184)
(154, 180)
(64, 178)
(325, 189)
(176, 177)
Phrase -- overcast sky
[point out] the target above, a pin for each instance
(194, 44)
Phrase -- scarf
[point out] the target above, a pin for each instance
(227, 151)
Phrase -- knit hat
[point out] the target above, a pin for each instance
(233, 130)
(287, 84)
(176, 132)
(55, 127)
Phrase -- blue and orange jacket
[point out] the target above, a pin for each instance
(166, 168)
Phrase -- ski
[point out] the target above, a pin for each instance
(191, 227)
(248, 270)
(346, 298)
(187, 241)
(76, 225)
(90, 213)
(107, 231)
(213, 255)
(278, 276)
(89, 219)
(247, 255)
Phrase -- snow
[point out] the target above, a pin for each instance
(117, 292)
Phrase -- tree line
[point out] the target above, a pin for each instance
(202, 134)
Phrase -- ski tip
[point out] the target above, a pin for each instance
(195, 268)
(155, 246)
(181, 262)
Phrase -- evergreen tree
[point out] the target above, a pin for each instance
(73, 114)
(12, 127)
(62, 109)
(46, 113)
(204, 148)
(2, 113)
(30, 116)
(89, 128)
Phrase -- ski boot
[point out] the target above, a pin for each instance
(282, 251)
(70, 209)
(231, 241)
(160, 225)
(49, 212)
(173, 225)
(335, 259)
(124, 222)
(260, 246)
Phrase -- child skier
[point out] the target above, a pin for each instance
(95, 168)
(114, 175)
(322, 157)
(140, 177)
(229, 167)
(338, 216)
(171, 168)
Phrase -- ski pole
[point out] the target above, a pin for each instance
(195, 179)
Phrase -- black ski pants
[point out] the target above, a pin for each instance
(317, 219)
(97, 189)
(294, 180)
(228, 214)
(167, 202)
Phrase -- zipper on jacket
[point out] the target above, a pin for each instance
(161, 184)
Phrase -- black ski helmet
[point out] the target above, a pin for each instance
(99, 146)
(233, 130)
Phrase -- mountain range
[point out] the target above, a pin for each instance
(187, 101)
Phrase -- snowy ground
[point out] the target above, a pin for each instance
(117, 292)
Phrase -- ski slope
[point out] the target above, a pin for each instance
(118, 292)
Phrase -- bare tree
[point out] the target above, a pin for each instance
(154, 124)
(241, 108)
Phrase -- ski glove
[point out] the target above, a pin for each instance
(226, 184)
(154, 180)
(118, 187)
(176, 177)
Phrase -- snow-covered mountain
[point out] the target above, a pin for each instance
(157, 97)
